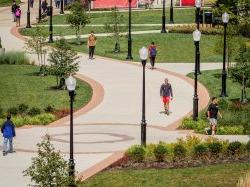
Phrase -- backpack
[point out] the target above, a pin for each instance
(153, 51)
(18, 12)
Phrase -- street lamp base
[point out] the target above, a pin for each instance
(223, 95)
(171, 22)
(163, 31)
(129, 58)
(143, 133)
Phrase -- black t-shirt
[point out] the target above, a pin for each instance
(213, 110)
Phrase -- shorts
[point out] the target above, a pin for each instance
(166, 99)
(212, 121)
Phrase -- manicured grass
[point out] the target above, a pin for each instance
(7, 2)
(19, 84)
(224, 175)
(139, 17)
(236, 116)
(172, 47)
(86, 30)
(212, 80)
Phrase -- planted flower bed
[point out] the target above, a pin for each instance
(185, 153)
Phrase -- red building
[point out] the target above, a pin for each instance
(113, 3)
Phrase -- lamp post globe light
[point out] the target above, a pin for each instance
(71, 85)
(196, 38)
(62, 7)
(129, 56)
(143, 56)
(163, 25)
(171, 12)
(225, 19)
(50, 23)
(28, 16)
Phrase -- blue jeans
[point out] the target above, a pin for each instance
(8, 144)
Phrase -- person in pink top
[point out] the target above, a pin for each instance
(18, 16)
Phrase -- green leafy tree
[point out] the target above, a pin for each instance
(115, 25)
(48, 168)
(63, 62)
(37, 44)
(241, 71)
(77, 18)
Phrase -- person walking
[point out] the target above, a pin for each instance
(18, 14)
(58, 3)
(152, 49)
(91, 44)
(167, 94)
(13, 10)
(8, 131)
(44, 6)
(212, 114)
(31, 3)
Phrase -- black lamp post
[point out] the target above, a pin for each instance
(225, 19)
(71, 85)
(143, 55)
(197, 20)
(40, 11)
(50, 23)
(129, 57)
(171, 12)
(28, 16)
(196, 37)
(61, 11)
(163, 27)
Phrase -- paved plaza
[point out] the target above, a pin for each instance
(112, 122)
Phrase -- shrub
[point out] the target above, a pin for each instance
(62, 113)
(189, 123)
(248, 146)
(215, 148)
(160, 152)
(13, 110)
(22, 108)
(179, 151)
(137, 153)
(45, 119)
(34, 111)
(200, 150)
(234, 147)
(49, 109)
(224, 104)
(230, 130)
(14, 57)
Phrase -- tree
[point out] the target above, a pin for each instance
(48, 168)
(241, 71)
(77, 18)
(37, 44)
(115, 25)
(63, 62)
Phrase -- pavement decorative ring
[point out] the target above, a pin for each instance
(122, 137)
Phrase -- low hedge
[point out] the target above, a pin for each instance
(14, 57)
(41, 119)
(200, 125)
(192, 151)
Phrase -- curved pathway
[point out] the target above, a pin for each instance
(110, 123)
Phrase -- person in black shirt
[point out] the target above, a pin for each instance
(13, 10)
(212, 114)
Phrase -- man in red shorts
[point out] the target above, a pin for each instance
(166, 94)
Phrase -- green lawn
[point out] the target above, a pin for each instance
(172, 47)
(7, 2)
(138, 17)
(225, 175)
(86, 30)
(235, 116)
(20, 85)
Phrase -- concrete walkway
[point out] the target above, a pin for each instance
(113, 124)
